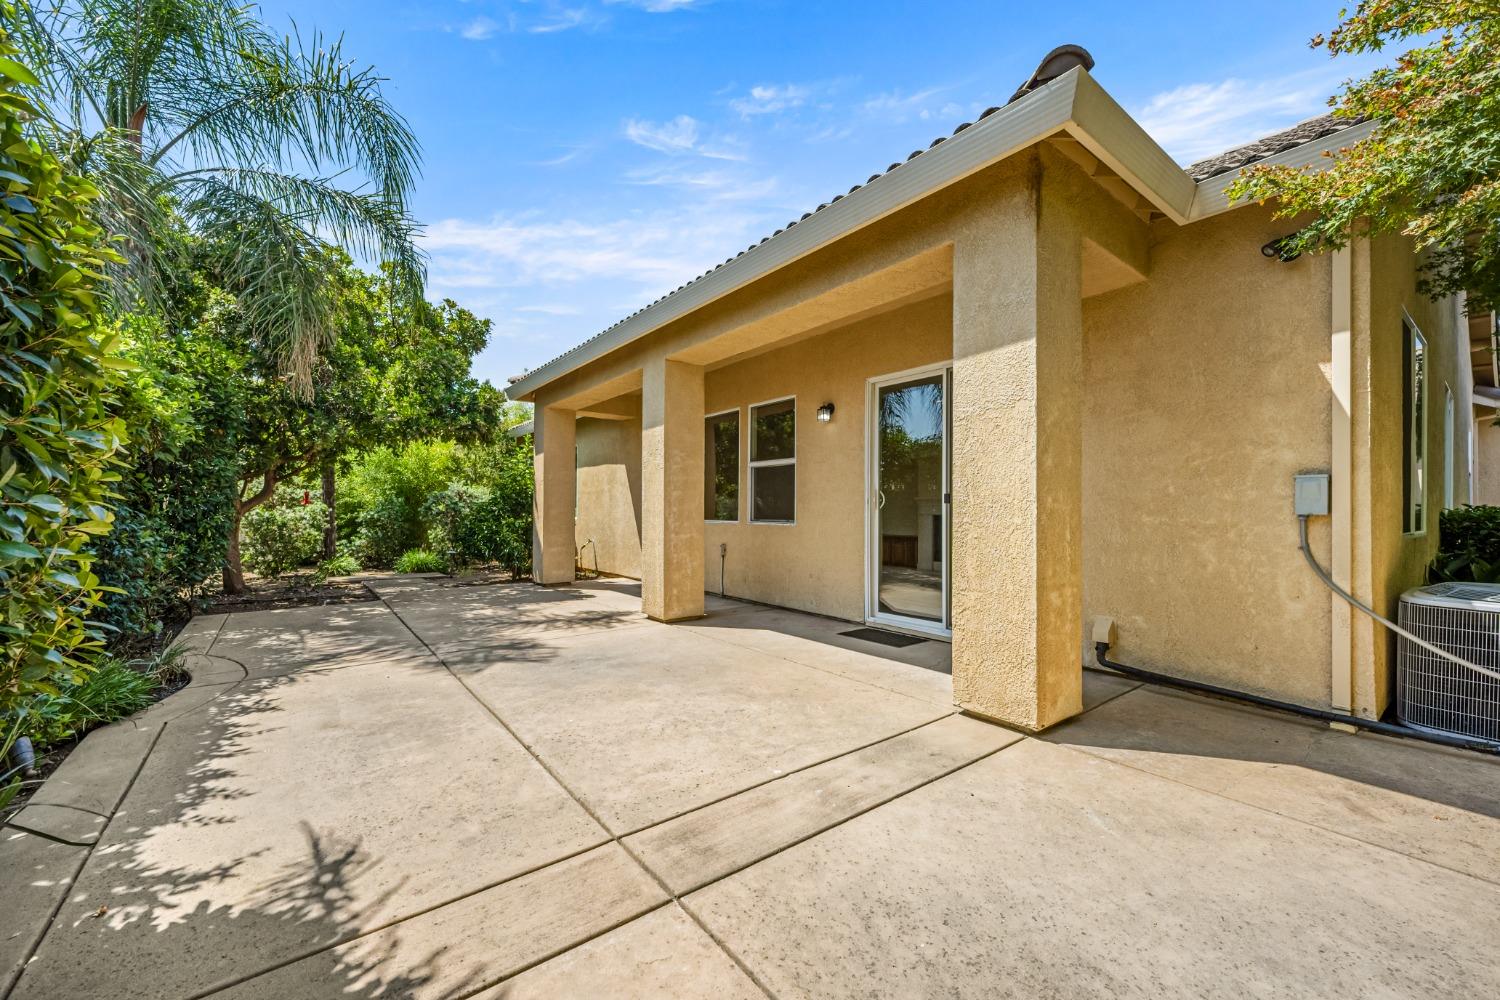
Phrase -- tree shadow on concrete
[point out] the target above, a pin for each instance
(140, 922)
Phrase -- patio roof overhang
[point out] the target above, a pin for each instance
(1072, 110)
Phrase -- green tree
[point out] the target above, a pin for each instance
(1431, 167)
(397, 371)
(59, 434)
(268, 148)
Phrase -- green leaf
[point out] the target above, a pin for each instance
(46, 502)
(19, 73)
(18, 550)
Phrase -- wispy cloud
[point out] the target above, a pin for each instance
(897, 107)
(660, 6)
(652, 250)
(1201, 119)
(680, 135)
(718, 185)
(480, 29)
(560, 20)
(766, 99)
(683, 134)
(549, 283)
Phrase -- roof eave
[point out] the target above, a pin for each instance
(1213, 192)
(1073, 104)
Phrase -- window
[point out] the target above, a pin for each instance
(773, 461)
(1414, 429)
(721, 467)
(1450, 464)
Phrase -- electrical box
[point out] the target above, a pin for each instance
(1310, 494)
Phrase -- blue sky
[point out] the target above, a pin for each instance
(582, 157)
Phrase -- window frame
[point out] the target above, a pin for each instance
(754, 465)
(739, 441)
(1416, 407)
(1450, 442)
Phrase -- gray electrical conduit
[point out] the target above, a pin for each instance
(1101, 653)
(1356, 603)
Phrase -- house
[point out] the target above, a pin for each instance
(1031, 375)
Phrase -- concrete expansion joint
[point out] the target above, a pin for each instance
(618, 839)
(84, 857)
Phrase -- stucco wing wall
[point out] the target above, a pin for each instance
(1387, 560)
(609, 494)
(1207, 390)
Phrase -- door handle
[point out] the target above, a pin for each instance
(880, 500)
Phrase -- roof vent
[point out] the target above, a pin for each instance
(1053, 65)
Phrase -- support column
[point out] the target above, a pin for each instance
(556, 470)
(672, 491)
(1018, 462)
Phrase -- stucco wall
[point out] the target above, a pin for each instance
(1398, 561)
(1206, 392)
(609, 494)
(818, 563)
(1205, 389)
(1487, 456)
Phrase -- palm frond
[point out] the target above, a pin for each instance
(195, 105)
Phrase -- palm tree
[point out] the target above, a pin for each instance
(269, 149)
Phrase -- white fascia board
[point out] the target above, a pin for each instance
(1213, 196)
(1073, 103)
(1103, 128)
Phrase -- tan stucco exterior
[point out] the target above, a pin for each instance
(1486, 456)
(608, 530)
(1131, 397)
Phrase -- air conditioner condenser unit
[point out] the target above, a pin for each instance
(1434, 693)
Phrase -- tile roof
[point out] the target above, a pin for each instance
(1278, 142)
(1233, 159)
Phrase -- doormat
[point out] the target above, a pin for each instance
(883, 637)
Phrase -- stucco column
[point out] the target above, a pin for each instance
(556, 470)
(1017, 462)
(672, 491)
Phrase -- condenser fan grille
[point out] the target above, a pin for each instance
(1437, 694)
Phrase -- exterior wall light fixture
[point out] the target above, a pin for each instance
(825, 413)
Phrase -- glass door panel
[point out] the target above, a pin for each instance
(911, 541)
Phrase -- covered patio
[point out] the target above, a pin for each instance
(511, 791)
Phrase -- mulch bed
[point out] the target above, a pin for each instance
(287, 592)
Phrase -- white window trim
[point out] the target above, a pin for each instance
(739, 494)
(1450, 439)
(1418, 497)
(769, 463)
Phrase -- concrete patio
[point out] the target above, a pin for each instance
(510, 791)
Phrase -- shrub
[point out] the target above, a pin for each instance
(185, 409)
(283, 534)
(59, 375)
(500, 528)
(380, 498)
(451, 516)
(112, 689)
(421, 561)
(341, 565)
(1468, 545)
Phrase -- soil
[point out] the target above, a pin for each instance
(298, 591)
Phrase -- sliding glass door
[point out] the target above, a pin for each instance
(908, 482)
